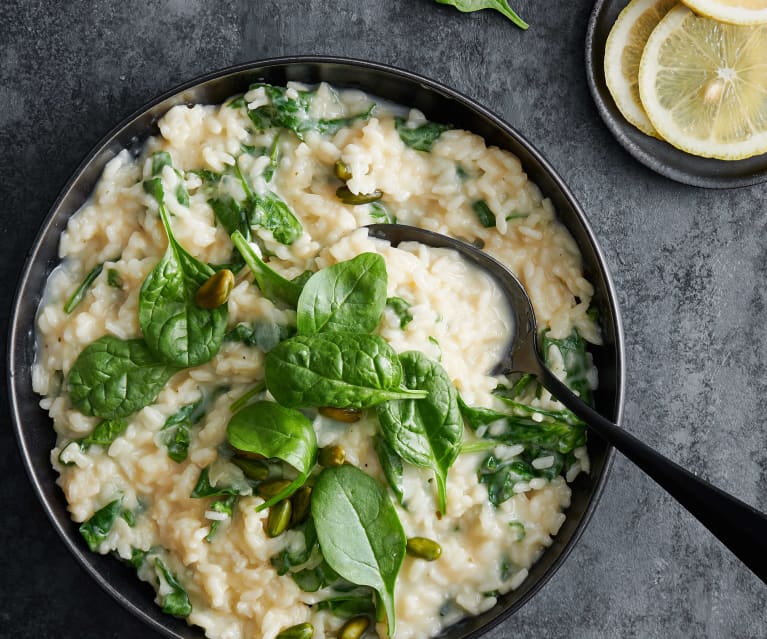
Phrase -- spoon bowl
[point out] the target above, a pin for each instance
(740, 527)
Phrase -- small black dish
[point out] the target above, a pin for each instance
(33, 427)
(656, 154)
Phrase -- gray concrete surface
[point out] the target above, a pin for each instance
(689, 264)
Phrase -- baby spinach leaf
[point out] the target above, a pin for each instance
(97, 528)
(105, 433)
(244, 399)
(176, 432)
(391, 464)
(576, 361)
(502, 476)
(274, 151)
(426, 432)
(81, 290)
(349, 605)
(312, 579)
(343, 370)
(270, 212)
(359, 532)
(501, 6)
(262, 334)
(230, 215)
(422, 137)
(203, 488)
(113, 378)
(485, 216)
(401, 309)
(173, 598)
(268, 429)
(290, 110)
(348, 296)
(272, 285)
(225, 506)
(291, 557)
(160, 159)
(379, 212)
(175, 328)
(114, 279)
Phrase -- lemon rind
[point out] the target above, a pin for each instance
(731, 15)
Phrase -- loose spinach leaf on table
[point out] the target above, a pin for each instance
(176, 432)
(97, 528)
(426, 432)
(576, 361)
(113, 378)
(501, 6)
(348, 296)
(343, 370)
(272, 285)
(421, 137)
(173, 598)
(81, 290)
(175, 328)
(359, 532)
(275, 432)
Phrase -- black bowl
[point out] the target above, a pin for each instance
(656, 154)
(33, 426)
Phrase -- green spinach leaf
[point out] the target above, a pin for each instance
(113, 378)
(203, 488)
(349, 605)
(268, 429)
(343, 370)
(359, 532)
(576, 361)
(501, 6)
(176, 432)
(426, 432)
(225, 506)
(422, 137)
(401, 309)
(261, 334)
(97, 528)
(485, 216)
(270, 212)
(174, 327)
(114, 279)
(81, 290)
(391, 464)
(174, 599)
(348, 296)
(272, 285)
(105, 433)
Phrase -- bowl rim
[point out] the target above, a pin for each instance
(14, 330)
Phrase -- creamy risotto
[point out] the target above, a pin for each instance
(290, 428)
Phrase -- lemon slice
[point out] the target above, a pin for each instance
(732, 11)
(623, 52)
(703, 85)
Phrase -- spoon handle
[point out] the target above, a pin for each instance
(737, 525)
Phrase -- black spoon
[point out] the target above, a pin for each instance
(737, 525)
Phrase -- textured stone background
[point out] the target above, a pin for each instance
(689, 265)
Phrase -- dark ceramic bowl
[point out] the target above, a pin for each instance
(33, 427)
(656, 154)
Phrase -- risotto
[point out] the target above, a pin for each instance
(289, 428)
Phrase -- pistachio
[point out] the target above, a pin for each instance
(271, 487)
(346, 415)
(423, 548)
(301, 631)
(279, 518)
(252, 468)
(354, 628)
(331, 456)
(302, 503)
(342, 171)
(347, 197)
(216, 290)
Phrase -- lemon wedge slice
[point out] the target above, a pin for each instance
(732, 11)
(623, 51)
(703, 85)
